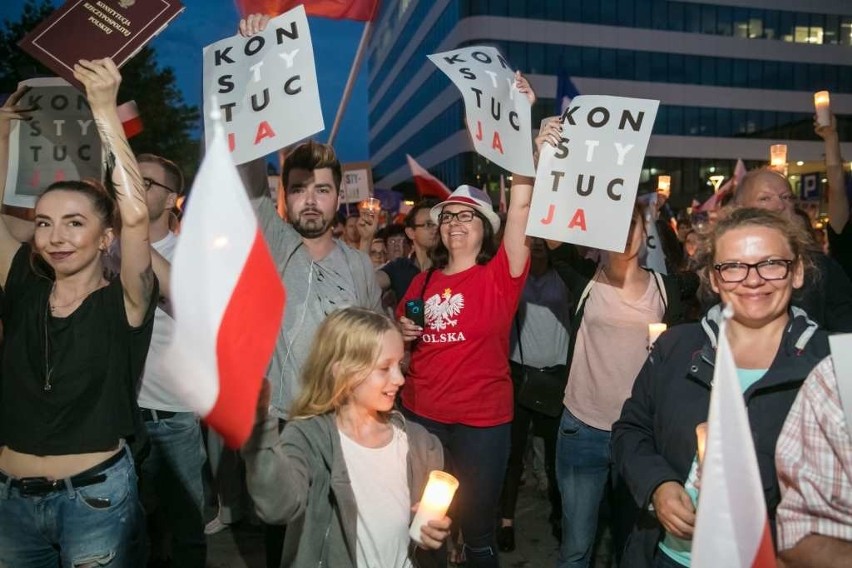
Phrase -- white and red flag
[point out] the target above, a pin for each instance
(732, 527)
(427, 184)
(227, 298)
(131, 121)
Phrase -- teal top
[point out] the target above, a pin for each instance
(679, 549)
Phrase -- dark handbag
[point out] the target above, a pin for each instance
(541, 390)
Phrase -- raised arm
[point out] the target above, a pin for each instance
(11, 110)
(514, 236)
(838, 203)
(101, 80)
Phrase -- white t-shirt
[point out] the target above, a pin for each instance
(380, 484)
(154, 393)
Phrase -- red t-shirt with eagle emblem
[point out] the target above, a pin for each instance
(459, 372)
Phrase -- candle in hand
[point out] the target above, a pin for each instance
(822, 106)
(778, 157)
(655, 330)
(435, 501)
(701, 438)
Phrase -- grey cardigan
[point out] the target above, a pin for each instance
(299, 478)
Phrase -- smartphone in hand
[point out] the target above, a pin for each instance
(414, 312)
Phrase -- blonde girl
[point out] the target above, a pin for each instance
(347, 470)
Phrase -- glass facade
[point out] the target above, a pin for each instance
(641, 65)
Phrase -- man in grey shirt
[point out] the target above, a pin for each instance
(320, 273)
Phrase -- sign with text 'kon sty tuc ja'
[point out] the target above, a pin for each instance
(266, 87)
(498, 116)
(586, 186)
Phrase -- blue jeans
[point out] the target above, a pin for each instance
(95, 525)
(172, 479)
(582, 471)
(477, 457)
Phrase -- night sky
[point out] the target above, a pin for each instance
(206, 21)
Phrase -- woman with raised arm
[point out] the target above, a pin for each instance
(459, 386)
(74, 349)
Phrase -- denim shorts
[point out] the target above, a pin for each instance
(101, 524)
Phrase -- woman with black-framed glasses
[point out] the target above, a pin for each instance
(753, 260)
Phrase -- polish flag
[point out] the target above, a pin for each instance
(732, 528)
(715, 200)
(227, 298)
(504, 204)
(128, 114)
(364, 10)
(427, 184)
(739, 172)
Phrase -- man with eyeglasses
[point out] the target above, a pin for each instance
(828, 298)
(397, 274)
(172, 473)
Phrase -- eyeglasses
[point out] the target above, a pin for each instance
(462, 217)
(427, 224)
(774, 269)
(148, 182)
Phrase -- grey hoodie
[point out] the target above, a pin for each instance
(299, 478)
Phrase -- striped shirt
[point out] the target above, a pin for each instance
(814, 461)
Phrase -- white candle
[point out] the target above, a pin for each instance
(778, 156)
(822, 104)
(655, 330)
(435, 501)
(370, 205)
(701, 438)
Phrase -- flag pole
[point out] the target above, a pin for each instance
(350, 82)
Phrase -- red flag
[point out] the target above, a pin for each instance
(732, 527)
(228, 301)
(363, 10)
(427, 184)
(128, 114)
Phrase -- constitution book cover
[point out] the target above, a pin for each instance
(94, 29)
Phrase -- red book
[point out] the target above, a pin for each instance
(364, 10)
(95, 29)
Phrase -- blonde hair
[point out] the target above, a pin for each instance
(345, 349)
(736, 217)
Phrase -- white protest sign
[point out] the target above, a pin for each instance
(841, 355)
(585, 188)
(265, 87)
(60, 142)
(498, 116)
(357, 182)
(652, 255)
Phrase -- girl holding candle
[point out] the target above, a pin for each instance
(344, 473)
(753, 260)
(618, 303)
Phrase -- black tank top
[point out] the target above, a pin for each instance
(94, 359)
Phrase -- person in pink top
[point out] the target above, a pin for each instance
(458, 384)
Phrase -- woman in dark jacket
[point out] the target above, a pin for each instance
(754, 260)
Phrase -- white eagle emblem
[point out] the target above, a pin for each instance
(442, 309)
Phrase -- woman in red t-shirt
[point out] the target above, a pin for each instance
(458, 385)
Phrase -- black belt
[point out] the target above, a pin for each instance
(148, 415)
(39, 486)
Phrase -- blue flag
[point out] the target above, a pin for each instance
(565, 91)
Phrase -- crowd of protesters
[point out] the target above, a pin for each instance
(101, 465)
